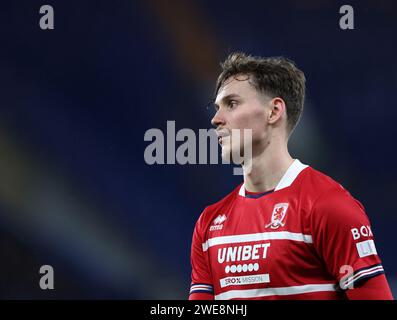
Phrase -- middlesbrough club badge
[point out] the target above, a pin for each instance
(278, 215)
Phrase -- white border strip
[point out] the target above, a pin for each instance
(293, 171)
(203, 287)
(360, 274)
(288, 178)
(281, 235)
(281, 291)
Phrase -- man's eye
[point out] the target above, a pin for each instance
(232, 104)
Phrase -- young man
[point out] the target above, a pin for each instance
(288, 231)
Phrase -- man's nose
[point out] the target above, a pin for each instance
(218, 119)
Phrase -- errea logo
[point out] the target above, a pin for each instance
(218, 222)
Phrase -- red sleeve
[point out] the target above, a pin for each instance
(201, 296)
(201, 287)
(375, 288)
(343, 238)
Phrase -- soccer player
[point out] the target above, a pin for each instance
(288, 231)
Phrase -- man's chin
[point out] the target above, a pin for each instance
(227, 156)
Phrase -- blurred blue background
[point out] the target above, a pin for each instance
(76, 101)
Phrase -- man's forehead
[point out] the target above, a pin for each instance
(234, 85)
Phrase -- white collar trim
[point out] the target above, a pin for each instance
(288, 178)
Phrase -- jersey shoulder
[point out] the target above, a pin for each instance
(329, 195)
(320, 182)
(321, 186)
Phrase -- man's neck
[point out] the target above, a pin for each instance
(267, 169)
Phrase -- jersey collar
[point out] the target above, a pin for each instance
(288, 178)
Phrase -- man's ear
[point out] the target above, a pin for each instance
(277, 110)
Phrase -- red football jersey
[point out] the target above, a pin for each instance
(308, 239)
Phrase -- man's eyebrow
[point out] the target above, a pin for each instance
(227, 98)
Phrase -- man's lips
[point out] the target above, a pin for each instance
(221, 135)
